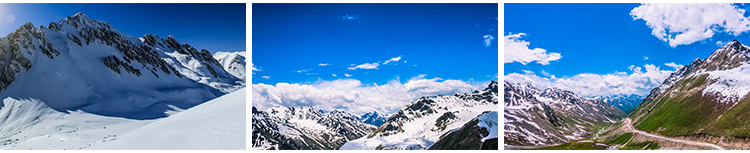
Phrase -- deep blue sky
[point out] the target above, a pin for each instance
(442, 40)
(597, 38)
(215, 27)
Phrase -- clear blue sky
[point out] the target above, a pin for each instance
(291, 41)
(215, 27)
(605, 39)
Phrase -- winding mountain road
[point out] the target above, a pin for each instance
(669, 139)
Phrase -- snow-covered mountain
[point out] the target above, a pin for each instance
(83, 64)
(375, 118)
(79, 81)
(625, 102)
(429, 119)
(551, 116)
(482, 129)
(216, 124)
(233, 63)
(711, 99)
(304, 128)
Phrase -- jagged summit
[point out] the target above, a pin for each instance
(80, 20)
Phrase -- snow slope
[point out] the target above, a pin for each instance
(30, 124)
(216, 124)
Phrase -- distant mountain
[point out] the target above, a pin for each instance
(428, 120)
(625, 102)
(552, 116)
(232, 62)
(709, 97)
(304, 128)
(375, 118)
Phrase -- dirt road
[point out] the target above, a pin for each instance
(627, 121)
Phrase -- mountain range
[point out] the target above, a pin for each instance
(72, 83)
(625, 102)
(304, 128)
(459, 121)
(552, 116)
(430, 123)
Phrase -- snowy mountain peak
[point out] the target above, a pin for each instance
(374, 118)
(492, 87)
(233, 62)
(80, 20)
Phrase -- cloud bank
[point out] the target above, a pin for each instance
(587, 84)
(353, 96)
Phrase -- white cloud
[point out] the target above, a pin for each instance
(545, 73)
(266, 77)
(686, 23)
(720, 43)
(375, 65)
(528, 72)
(253, 69)
(321, 64)
(365, 66)
(488, 40)
(355, 97)
(349, 17)
(518, 51)
(673, 65)
(347, 75)
(395, 59)
(645, 57)
(10, 18)
(587, 84)
(302, 71)
(334, 75)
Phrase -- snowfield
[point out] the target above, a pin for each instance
(731, 85)
(216, 124)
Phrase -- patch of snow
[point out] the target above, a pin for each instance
(489, 121)
(731, 85)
